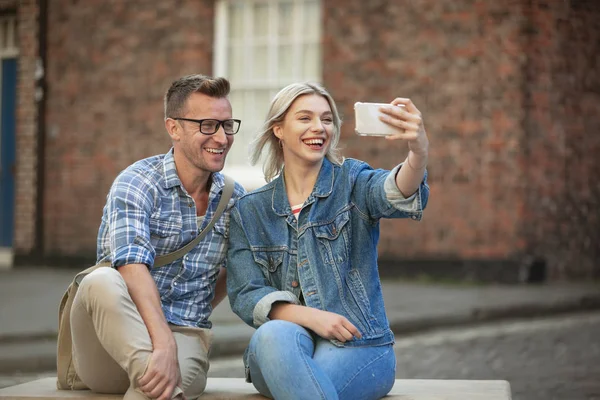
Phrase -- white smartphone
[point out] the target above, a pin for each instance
(367, 120)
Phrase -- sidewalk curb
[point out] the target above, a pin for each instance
(236, 343)
(480, 316)
(27, 337)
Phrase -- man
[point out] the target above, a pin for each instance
(144, 330)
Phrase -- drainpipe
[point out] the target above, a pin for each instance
(40, 97)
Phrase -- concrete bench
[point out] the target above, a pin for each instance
(232, 389)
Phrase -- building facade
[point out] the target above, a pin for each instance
(509, 92)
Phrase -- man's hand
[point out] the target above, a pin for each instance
(330, 325)
(162, 376)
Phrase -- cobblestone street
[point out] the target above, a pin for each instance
(546, 359)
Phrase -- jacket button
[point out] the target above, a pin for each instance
(295, 284)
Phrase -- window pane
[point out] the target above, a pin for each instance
(312, 19)
(248, 130)
(260, 65)
(236, 21)
(285, 19)
(236, 63)
(261, 20)
(262, 99)
(311, 61)
(237, 104)
(285, 63)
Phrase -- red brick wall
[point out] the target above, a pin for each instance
(461, 65)
(562, 141)
(26, 12)
(510, 96)
(109, 63)
(509, 92)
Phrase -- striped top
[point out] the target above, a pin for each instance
(296, 210)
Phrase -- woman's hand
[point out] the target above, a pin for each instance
(330, 325)
(409, 121)
(326, 324)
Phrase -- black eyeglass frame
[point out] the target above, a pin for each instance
(219, 124)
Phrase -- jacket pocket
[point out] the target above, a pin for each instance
(335, 239)
(271, 264)
(358, 291)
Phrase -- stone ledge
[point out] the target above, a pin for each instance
(235, 388)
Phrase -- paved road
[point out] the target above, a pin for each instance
(543, 359)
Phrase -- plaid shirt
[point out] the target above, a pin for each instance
(149, 213)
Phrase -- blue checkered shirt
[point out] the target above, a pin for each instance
(149, 213)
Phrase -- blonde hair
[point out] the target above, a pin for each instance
(266, 143)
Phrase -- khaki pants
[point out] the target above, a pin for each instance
(111, 344)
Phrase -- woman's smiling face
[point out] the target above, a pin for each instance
(306, 130)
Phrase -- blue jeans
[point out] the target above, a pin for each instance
(288, 362)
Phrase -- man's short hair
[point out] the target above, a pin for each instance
(182, 88)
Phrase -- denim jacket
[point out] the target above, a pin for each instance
(329, 255)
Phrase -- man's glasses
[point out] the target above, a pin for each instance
(211, 126)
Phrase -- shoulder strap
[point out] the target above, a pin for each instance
(165, 259)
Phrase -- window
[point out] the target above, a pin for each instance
(261, 46)
(8, 36)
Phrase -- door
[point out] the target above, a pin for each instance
(7, 150)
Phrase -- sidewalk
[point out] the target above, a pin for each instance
(29, 301)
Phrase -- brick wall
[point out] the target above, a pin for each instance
(109, 63)
(562, 142)
(509, 92)
(461, 66)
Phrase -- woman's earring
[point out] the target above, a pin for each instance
(280, 143)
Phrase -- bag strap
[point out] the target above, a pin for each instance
(165, 259)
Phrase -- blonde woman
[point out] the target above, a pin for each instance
(302, 258)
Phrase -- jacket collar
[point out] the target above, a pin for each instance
(323, 188)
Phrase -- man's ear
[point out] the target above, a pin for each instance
(173, 128)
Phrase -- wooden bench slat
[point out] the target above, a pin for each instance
(235, 388)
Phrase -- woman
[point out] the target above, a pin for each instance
(302, 259)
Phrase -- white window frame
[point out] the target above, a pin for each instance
(8, 37)
(252, 176)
